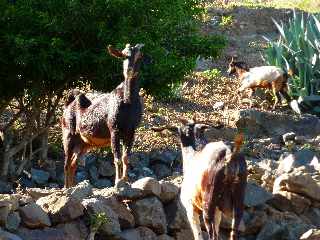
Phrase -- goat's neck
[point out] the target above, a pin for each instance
(131, 89)
(241, 73)
(188, 153)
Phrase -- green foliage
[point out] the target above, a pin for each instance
(298, 49)
(226, 21)
(97, 220)
(212, 73)
(55, 44)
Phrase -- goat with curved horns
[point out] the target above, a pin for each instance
(214, 180)
(108, 120)
(270, 77)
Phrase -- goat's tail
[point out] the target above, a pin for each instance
(238, 142)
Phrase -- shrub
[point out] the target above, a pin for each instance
(49, 46)
(298, 49)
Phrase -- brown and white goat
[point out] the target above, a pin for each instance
(269, 77)
(214, 181)
(109, 119)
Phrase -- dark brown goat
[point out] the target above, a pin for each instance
(214, 180)
(268, 77)
(109, 119)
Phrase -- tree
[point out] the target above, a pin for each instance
(49, 46)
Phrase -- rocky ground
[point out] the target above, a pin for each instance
(282, 151)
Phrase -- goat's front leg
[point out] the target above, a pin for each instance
(116, 150)
(127, 142)
(193, 218)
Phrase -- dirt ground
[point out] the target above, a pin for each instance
(201, 91)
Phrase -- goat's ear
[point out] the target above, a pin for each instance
(202, 126)
(184, 121)
(139, 46)
(173, 129)
(115, 53)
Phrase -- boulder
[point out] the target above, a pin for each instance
(298, 181)
(165, 237)
(61, 207)
(166, 157)
(313, 215)
(80, 191)
(169, 192)
(93, 173)
(95, 206)
(149, 212)
(8, 203)
(4, 212)
(255, 195)
(75, 230)
(5, 187)
(125, 217)
(41, 234)
(4, 235)
(106, 169)
(296, 202)
(81, 175)
(258, 123)
(9, 200)
(102, 183)
(37, 193)
(282, 230)
(148, 185)
(33, 216)
(139, 233)
(294, 160)
(254, 220)
(176, 216)
(161, 170)
(13, 221)
(312, 234)
(39, 176)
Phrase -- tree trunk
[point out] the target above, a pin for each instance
(44, 147)
(5, 156)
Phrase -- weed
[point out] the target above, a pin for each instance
(226, 21)
(212, 73)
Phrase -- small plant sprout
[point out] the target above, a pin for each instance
(96, 221)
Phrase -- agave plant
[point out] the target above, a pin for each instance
(298, 50)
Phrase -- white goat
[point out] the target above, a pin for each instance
(270, 77)
(214, 181)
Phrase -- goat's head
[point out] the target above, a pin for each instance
(188, 131)
(237, 67)
(131, 56)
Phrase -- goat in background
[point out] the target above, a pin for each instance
(270, 77)
(109, 119)
(214, 180)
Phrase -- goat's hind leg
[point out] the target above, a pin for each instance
(238, 208)
(212, 223)
(127, 146)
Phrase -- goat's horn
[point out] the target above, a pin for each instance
(211, 124)
(168, 127)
